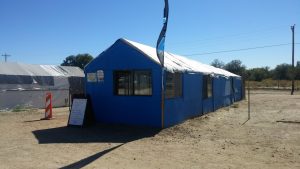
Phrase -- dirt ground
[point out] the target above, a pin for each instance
(217, 140)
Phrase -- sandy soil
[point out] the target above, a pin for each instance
(216, 140)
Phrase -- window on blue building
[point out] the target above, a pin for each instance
(173, 85)
(133, 83)
(122, 83)
(207, 87)
(142, 83)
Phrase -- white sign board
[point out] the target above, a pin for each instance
(100, 75)
(77, 112)
(91, 77)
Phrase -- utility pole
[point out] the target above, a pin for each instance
(6, 56)
(293, 71)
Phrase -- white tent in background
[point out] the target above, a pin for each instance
(25, 85)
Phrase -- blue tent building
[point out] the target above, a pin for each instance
(125, 86)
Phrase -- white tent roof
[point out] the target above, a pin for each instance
(175, 62)
(39, 70)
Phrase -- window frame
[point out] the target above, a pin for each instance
(131, 85)
(149, 73)
(116, 75)
(177, 77)
(206, 82)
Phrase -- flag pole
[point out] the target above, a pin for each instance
(162, 99)
(160, 45)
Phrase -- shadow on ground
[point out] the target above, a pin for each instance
(287, 121)
(95, 134)
(90, 159)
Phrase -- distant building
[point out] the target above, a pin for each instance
(25, 85)
(125, 86)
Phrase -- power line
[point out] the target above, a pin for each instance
(232, 35)
(236, 50)
(212, 44)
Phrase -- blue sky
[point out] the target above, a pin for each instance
(47, 31)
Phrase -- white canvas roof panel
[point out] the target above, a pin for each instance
(39, 70)
(175, 62)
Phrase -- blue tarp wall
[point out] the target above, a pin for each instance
(238, 88)
(192, 104)
(227, 90)
(222, 92)
(187, 106)
(133, 110)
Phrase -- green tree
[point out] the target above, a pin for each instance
(259, 74)
(79, 60)
(217, 63)
(236, 67)
(282, 72)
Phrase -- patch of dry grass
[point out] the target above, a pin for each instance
(274, 84)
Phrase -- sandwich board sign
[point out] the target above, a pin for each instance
(77, 113)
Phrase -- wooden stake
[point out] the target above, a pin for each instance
(248, 100)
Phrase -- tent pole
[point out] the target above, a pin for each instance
(69, 100)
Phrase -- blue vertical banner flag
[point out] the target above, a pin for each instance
(160, 45)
